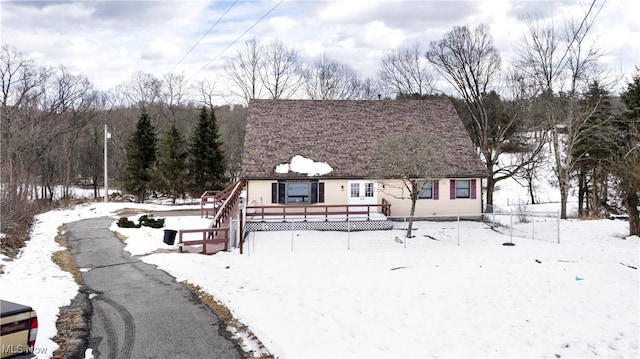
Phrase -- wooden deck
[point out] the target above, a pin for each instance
(221, 205)
(319, 212)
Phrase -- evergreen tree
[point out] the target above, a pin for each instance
(627, 167)
(171, 170)
(141, 157)
(208, 163)
(593, 148)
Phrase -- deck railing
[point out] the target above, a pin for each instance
(213, 200)
(386, 207)
(210, 236)
(316, 211)
(221, 203)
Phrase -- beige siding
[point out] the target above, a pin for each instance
(394, 192)
(258, 193)
(336, 192)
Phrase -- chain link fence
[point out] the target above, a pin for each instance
(520, 222)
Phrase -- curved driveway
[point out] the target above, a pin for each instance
(140, 311)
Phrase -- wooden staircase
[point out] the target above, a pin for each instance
(221, 205)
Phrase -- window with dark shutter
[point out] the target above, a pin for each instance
(297, 192)
(463, 189)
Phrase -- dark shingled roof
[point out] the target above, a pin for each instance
(347, 135)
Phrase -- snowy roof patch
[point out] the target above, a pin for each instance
(304, 165)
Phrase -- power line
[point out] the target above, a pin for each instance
(236, 40)
(205, 34)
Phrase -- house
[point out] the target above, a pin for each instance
(325, 156)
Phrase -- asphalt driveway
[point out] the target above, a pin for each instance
(140, 311)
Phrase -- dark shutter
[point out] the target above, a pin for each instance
(282, 192)
(473, 189)
(274, 192)
(436, 189)
(314, 192)
(321, 192)
(452, 189)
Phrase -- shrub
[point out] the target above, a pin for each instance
(123, 222)
(150, 221)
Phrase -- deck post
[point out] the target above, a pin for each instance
(241, 221)
(204, 243)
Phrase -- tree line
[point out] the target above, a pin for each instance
(172, 165)
(555, 99)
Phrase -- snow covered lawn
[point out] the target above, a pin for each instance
(431, 298)
(331, 294)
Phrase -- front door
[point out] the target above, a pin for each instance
(363, 192)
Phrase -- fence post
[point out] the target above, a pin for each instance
(348, 233)
(533, 227)
(405, 242)
(458, 230)
(558, 227)
(248, 247)
(511, 226)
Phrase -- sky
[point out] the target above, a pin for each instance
(108, 41)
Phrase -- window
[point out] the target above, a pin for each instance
(425, 189)
(297, 192)
(463, 189)
(355, 190)
(428, 189)
(368, 189)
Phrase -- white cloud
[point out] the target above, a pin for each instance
(108, 41)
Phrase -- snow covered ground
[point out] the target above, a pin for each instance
(431, 298)
(364, 294)
(34, 280)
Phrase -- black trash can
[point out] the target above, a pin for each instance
(169, 236)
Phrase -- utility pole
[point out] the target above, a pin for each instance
(107, 136)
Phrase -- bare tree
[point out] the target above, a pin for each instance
(558, 61)
(43, 109)
(328, 79)
(407, 158)
(243, 69)
(174, 93)
(21, 79)
(468, 60)
(370, 89)
(142, 89)
(281, 72)
(207, 92)
(404, 71)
